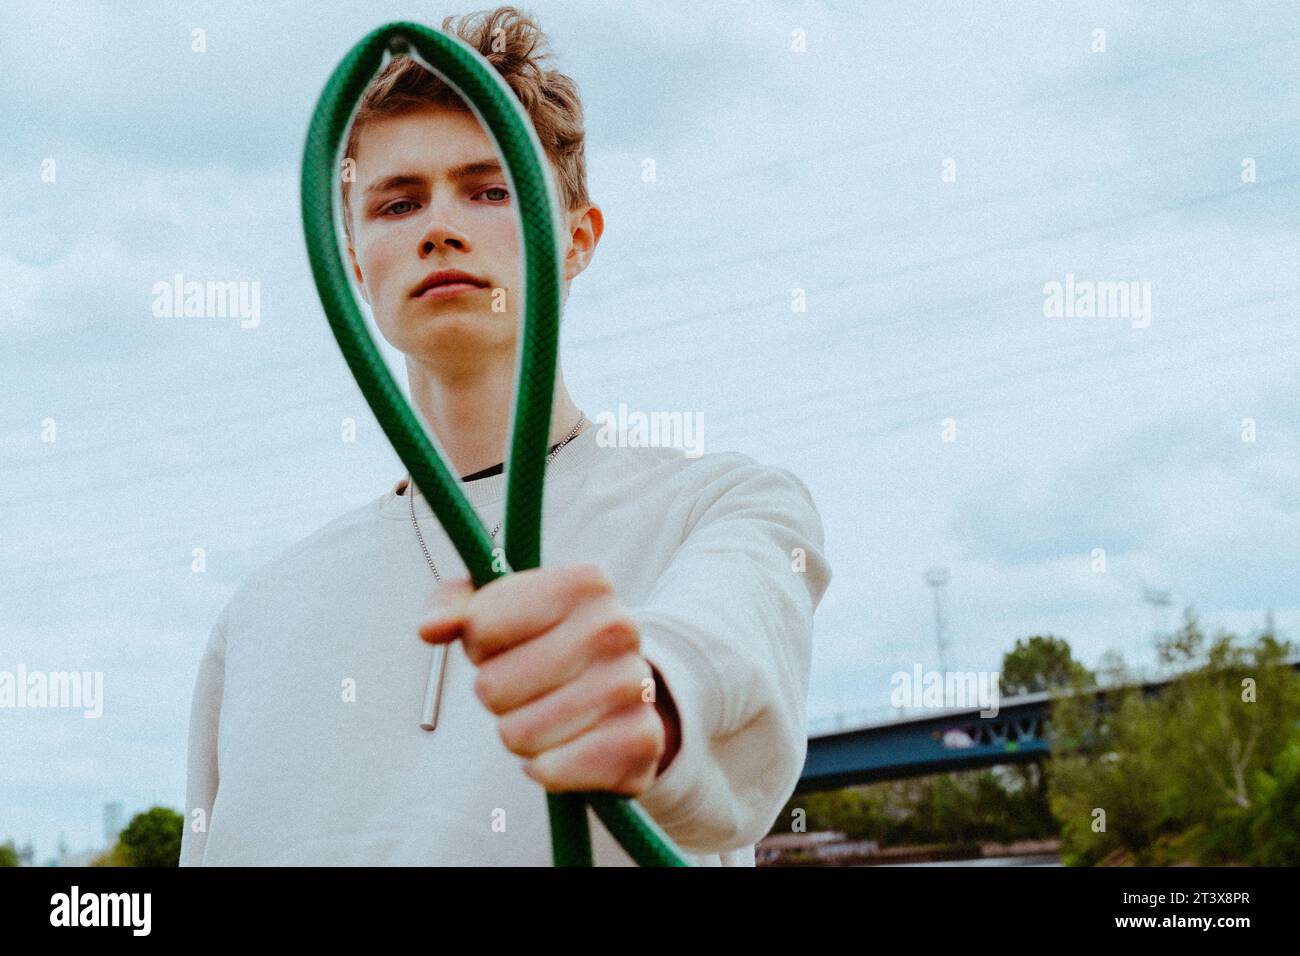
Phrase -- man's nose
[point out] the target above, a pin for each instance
(441, 234)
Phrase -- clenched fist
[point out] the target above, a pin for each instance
(559, 663)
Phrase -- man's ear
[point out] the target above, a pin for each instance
(356, 272)
(585, 227)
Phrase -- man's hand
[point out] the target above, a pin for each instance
(559, 663)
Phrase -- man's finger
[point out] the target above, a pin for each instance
(530, 669)
(526, 603)
(558, 717)
(619, 756)
(445, 610)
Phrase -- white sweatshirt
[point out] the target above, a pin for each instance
(305, 745)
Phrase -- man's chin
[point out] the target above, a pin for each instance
(452, 312)
(442, 327)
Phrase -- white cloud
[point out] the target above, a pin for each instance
(777, 170)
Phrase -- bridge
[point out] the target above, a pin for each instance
(957, 739)
(913, 747)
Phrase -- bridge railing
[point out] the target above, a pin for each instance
(885, 714)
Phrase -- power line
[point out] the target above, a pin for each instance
(643, 330)
(941, 261)
(135, 570)
(153, 395)
(655, 278)
(847, 397)
(1176, 64)
(829, 418)
(338, 396)
(848, 434)
(157, 476)
(347, 394)
(59, 456)
(926, 391)
(906, 316)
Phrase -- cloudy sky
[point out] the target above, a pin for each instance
(921, 174)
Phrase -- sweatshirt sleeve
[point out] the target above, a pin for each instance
(729, 626)
(201, 775)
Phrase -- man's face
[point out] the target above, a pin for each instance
(430, 196)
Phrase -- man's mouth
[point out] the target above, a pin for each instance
(448, 282)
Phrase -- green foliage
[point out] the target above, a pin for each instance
(1101, 775)
(1039, 664)
(856, 812)
(962, 807)
(1275, 831)
(1199, 773)
(1207, 771)
(153, 838)
(115, 856)
(8, 854)
(1001, 804)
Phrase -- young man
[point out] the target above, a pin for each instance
(662, 651)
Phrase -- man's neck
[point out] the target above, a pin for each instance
(470, 412)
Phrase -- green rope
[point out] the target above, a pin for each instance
(493, 102)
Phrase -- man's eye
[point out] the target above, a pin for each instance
(505, 193)
(389, 210)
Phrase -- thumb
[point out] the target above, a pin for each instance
(443, 616)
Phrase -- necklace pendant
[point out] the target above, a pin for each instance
(433, 692)
(438, 667)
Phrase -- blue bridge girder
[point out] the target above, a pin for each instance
(941, 742)
(953, 740)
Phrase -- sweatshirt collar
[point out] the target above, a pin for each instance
(577, 455)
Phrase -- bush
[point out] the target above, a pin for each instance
(1276, 829)
(153, 838)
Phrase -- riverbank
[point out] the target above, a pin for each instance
(824, 849)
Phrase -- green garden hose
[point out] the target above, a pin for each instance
(490, 97)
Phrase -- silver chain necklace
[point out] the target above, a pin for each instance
(433, 692)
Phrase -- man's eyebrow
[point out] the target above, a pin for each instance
(464, 171)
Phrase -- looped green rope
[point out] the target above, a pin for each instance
(501, 114)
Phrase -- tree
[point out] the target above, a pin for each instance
(854, 811)
(1039, 664)
(1194, 774)
(153, 838)
(8, 854)
(1004, 803)
(1275, 832)
(1103, 775)
(114, 856)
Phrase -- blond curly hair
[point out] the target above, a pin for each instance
(515, 45)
